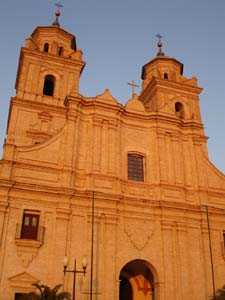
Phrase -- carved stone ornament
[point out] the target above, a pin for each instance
(27, 251)
(42, 129)
(139, 232)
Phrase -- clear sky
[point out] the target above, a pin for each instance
(118, 37)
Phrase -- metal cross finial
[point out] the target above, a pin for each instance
(133, 86)
(159, 45)
(58, 6)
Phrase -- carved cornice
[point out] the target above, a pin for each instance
(199, 139)
(39, 106)
(73, 99)
(167, 224)
(168, 86)
(51, 58)
(21, 187)
(63, 213)
(100, 120)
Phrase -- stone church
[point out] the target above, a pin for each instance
(130, 187)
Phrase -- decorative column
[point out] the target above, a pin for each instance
(162, 156)
(170, 288)
(112, 147)
(97, 144)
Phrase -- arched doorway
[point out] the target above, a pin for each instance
(137, 281)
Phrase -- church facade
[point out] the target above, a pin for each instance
(130, 187)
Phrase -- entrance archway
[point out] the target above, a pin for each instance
(137, 281)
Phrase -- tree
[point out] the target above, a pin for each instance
(220, 294)
(44, 292)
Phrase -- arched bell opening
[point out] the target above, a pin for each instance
(165, 76)
(46, 47)
(60, 51)
(137, 281)
(179, 110)
(49, 85)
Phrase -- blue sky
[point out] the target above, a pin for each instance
(118, 37)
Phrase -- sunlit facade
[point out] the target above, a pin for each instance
(131, 182)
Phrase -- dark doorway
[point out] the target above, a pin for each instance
(125, 289)
(137, 281)
(20, 296)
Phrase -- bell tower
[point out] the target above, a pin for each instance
(166, 91)
(50, 66)
(172, 100)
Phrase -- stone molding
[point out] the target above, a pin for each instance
(27, 250)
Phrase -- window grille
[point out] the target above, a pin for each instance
(135, 167)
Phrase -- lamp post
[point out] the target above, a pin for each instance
(74, 271)
(210, 250)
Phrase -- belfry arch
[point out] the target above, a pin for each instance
(137, 281)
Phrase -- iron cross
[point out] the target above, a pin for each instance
(159, 45)
(133, 86)
(58, 6)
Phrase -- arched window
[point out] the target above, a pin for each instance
(165, 76)
(179, 110)
(49, 85)
(46, 47)
(135, 167)
(60, 51)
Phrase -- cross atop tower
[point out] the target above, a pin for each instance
(58, 6)
(159, 45)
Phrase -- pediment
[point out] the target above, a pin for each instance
(23, 279)
(135, 105)
(107, 97)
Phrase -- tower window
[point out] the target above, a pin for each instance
(30, 224)
(60, 51)
(46, 47)
(179, 110)
(165, 76)
(49, 85)
(135, 167)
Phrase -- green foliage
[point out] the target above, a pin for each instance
(44, 292)
(220, 294)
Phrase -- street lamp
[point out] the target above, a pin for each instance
(74, 271)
